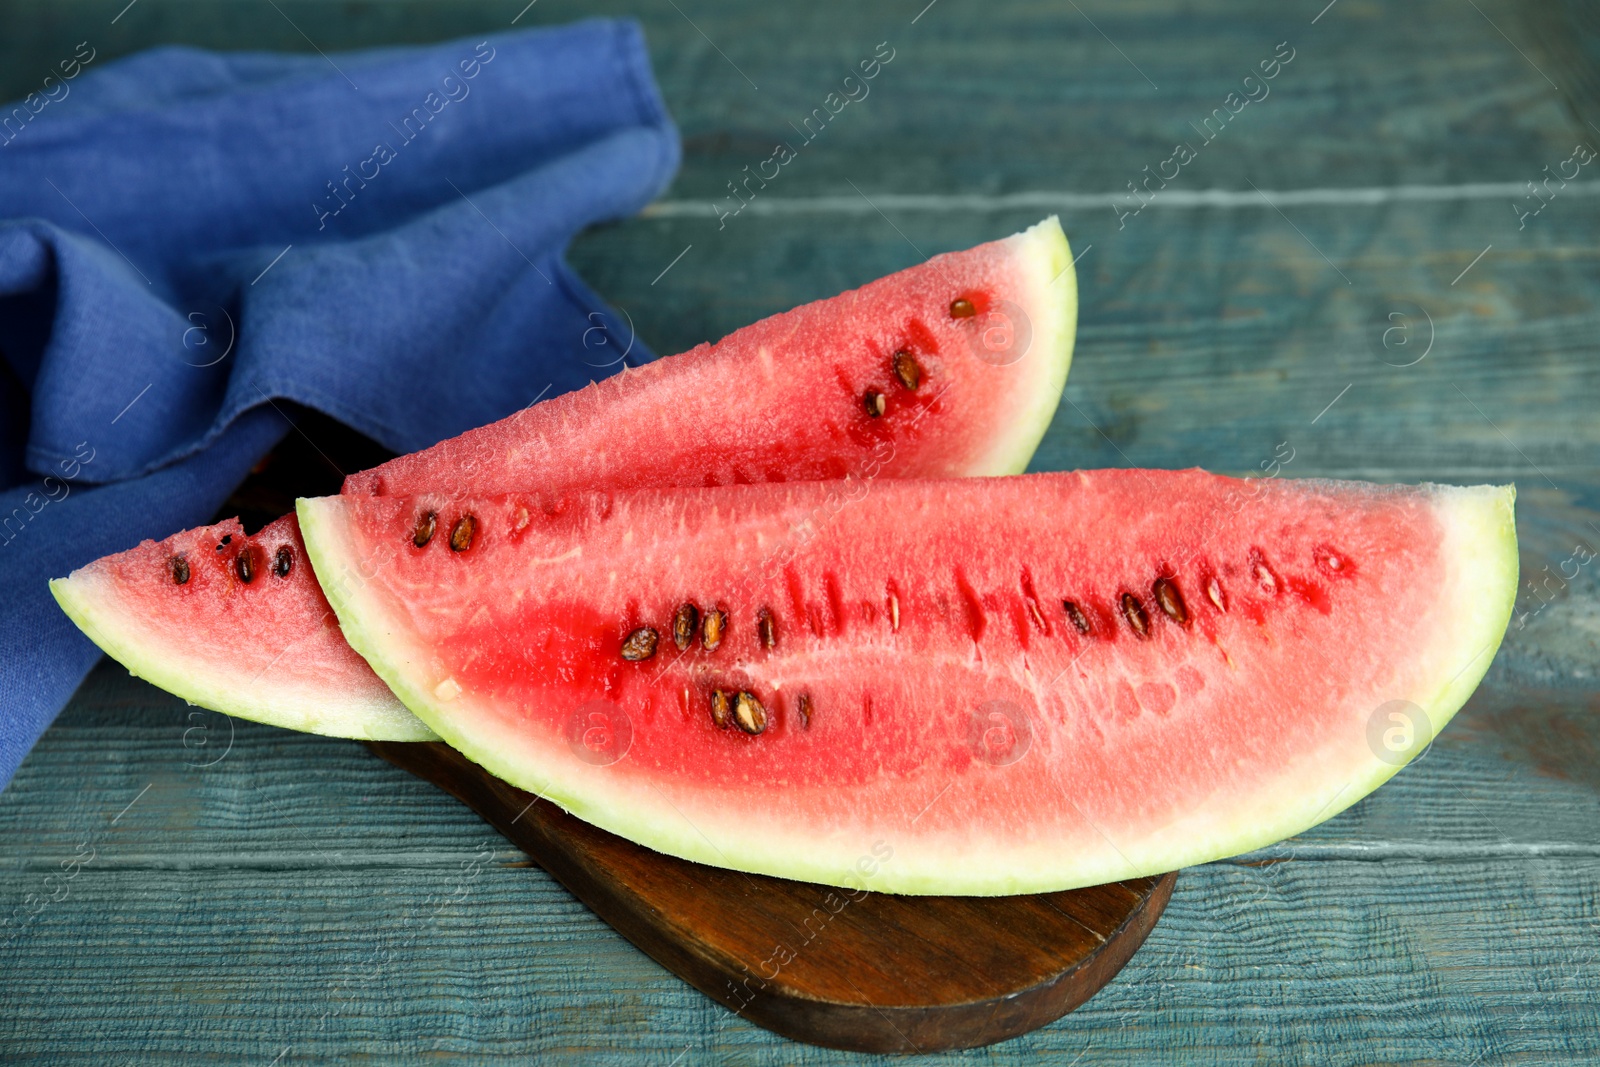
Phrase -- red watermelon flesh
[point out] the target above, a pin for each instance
(906, 377)
(1004, 685)
(246, 630)
(950, 368)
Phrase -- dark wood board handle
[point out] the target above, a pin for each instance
(868, 972)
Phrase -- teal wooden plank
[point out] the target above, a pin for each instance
(242, 907)
(1300, 962)
(981, 98)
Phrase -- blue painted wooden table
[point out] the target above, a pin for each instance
(1348, 266)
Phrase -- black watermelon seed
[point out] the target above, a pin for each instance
(179, 568)
(685, 621)
(907, 369)
(721, 707)
(640, 645)
(1075, 613)
(715, 625)
(244, 565)
(1171, 601)
(748, 713)
(873, 402)
(423, 532)
(767, 627)
(283, 562)
(1134, 612)
(461, 534)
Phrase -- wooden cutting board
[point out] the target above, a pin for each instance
(867, 972)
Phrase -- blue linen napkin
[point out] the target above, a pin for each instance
(194, 243)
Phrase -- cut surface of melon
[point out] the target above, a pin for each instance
(1017, 685)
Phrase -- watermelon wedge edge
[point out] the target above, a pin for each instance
(1477, 584)
(369, 714)
(1481, 547)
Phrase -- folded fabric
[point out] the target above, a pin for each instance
(195, 244)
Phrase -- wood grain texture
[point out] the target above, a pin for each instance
(850, 970)
(980, 98)
(293, 899)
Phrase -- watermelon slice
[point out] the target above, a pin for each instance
(238, 624)
(968, 686)
(950, 368)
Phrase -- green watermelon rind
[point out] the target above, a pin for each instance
(1052, 308)
(1479, 548)
(85, 601)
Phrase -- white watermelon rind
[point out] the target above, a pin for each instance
(93, 605)
(1051, 304)
(1479, 547)
(1480, 552)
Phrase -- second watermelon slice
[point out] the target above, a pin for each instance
(950, 368)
